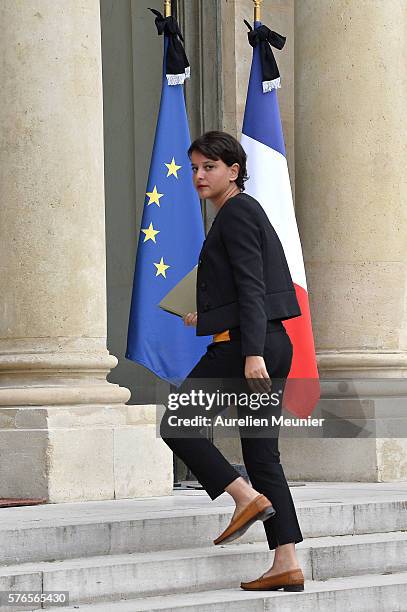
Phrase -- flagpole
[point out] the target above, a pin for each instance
(167, 8)
(257, 10)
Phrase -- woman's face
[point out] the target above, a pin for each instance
(212, 178)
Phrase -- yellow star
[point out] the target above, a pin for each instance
(150, 233)
(161, 268)
(173, 168)
(154, 196)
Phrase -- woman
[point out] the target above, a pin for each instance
(244, 291)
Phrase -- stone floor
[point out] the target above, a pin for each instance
(304, 494)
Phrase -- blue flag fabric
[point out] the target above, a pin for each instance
(170, 240)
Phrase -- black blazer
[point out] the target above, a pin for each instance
(243, 278)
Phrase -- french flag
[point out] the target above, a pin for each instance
(269, 182)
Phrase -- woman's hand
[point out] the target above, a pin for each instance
(256, 374)
(190, 318)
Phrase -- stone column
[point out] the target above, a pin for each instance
(351, 187)
(65, 432)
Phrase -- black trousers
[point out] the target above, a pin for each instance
(260, 454)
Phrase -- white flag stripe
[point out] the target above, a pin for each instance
(270, 185)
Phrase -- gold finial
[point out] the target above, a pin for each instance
(167, 8)
(257, 5)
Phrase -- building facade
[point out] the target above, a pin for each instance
(80, 87)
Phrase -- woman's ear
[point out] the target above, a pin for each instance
(234, 171)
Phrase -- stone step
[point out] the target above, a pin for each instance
(368, 593)
(112, 577)
(85, 529)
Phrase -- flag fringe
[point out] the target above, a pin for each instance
(178, 79)
(270, 85)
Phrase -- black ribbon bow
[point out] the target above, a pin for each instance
(265, 37)
(177, 65)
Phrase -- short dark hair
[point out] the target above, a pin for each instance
(221, 145)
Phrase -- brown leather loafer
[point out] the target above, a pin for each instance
(259, 509)
(293, 580)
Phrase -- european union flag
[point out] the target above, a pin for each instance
(170, 240)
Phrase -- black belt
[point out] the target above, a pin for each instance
(272, 326)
